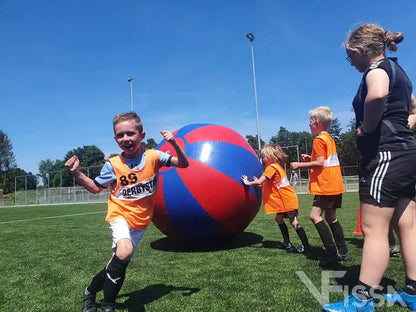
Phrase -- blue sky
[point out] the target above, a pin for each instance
(64, 66)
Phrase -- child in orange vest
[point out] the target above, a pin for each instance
(279, 197)
(325, 182)
(133, 178)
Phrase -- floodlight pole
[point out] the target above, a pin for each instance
(250, 37)
(131, 93)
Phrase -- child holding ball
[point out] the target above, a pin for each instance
(279, 197)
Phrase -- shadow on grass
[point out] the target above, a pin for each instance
(314, 254)
(136, 300)
(356, 240)
(243, 240)
(351, 277)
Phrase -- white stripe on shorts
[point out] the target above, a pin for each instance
(379, 173)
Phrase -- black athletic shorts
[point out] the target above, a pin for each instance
(387, 178)
(288, 214)
(327, 201)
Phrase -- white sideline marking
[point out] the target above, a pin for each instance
(54, 217)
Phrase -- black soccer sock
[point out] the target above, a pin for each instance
(302, 235)
(363, 291)
(410, 287)
(339, 238)
(326, 237)
(97, 282)
(285, 232)
(115, 273)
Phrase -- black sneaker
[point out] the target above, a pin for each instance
(108, 307)
(395, 251)
(286, 246)
(344, 257)
(88, 304)
(304, 249)
(292, 249)
(330, 259)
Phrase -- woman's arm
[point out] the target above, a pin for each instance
(377, 82)
(412, 113)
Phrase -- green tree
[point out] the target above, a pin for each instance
(253, 142)
(9, 179)
(7, 158)
(17, 179)
(282, 138)
(347, 149)
(91, 161)
(55, 177)
(31, 181)
(335, 130)
(305, 142)
(151, 144)
(291, 143)
(50, 172)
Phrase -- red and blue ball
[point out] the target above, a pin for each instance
(207, 202)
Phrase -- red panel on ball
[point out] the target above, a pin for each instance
(217, 133)
(241, 206)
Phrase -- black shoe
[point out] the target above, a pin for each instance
(304, 249)
(292, 249)
(286, 246)
(88, 304)
(331, 259)
(344, 257)
(108, 307)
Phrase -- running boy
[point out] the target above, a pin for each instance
(133, 177)
(325, 182)
(279, 197)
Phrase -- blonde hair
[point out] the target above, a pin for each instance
(322, 114)
(274, 153)
(132, 116)
(372, 39)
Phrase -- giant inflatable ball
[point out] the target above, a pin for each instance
(207, 202)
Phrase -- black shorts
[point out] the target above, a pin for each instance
(387, 178)
(327, 201)
(288, 214)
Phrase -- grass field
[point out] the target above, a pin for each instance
(49, 254)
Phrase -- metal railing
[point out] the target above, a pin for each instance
(46, 195)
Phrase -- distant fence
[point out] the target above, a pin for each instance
(45, 195)
(350, 185)
(54, 196)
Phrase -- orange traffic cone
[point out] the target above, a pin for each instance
(358, 230)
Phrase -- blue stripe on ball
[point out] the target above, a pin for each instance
(180, 202)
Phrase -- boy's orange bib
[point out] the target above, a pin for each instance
(326, 180)
(133, 198)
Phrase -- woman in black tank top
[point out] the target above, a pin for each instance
(385, 111)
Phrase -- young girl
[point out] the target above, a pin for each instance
(279, 197)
